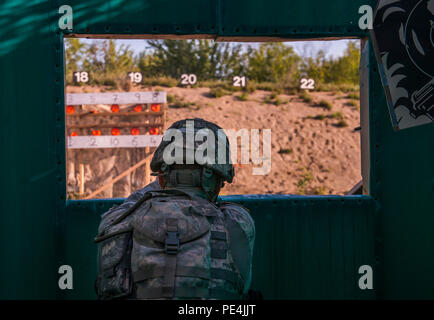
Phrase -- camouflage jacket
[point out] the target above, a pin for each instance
(165, 244)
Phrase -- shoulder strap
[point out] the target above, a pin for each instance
(212, 207)
(173, 192)
(223, 203)
(239, 247)
(145, 197)
(130, 210)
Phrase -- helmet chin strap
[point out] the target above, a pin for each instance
(209, 183)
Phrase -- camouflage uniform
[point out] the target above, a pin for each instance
(174, 243)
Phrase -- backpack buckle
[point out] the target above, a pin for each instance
(172, 242)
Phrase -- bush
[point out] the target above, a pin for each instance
(319, 191)
(285, 151)
(319, 117)
(337, 115)
(213, 84)
(342, 124)
(267, 100)
(337, 88)
(277, 101)
(160, 81)
(250, 88)
(306, 97)
(306, 177)
(325, 104)
(291, 91)
(273, 95)
(170, 98)
(218, 92)
(179, 105)
(243, 97)
(273, 99)
(354, 96)
(352, 103)
(266, 86)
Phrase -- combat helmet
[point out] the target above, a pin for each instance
(216, 166)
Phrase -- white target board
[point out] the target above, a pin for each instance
(126, 141)
(115, 98)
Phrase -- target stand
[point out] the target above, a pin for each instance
(114, 120)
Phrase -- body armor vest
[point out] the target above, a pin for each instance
(172, 245)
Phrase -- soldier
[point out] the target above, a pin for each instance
(171, 240)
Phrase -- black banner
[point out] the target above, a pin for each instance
(403, 38)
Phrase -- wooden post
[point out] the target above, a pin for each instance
(119, 177)
(147, 167)
(81, 180)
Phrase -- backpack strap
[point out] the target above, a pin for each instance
(187, 293)
(219, 245)
(194, 272)
(219, 239)
(168, 291)
(239, 245)
(208, 207)
(146, 196)
(152, 194)
(172, 249)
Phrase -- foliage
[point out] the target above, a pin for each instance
(75, 52)
(337, 115)
(353, 95)
(341, 124)
(273, 62)
(344, 70)
(320, 117)
(302, 183)
(352, 103)
(243, 97)
(218, 92)
(306, 97)
(325, 104)
(285, 151)
(271, 66)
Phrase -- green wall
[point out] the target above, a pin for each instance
(41, 231)
(305, 247)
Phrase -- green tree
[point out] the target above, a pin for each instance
(273, 62)
(117, 60)
(346, 68)
(343, 70)
(207, 59)
(75, 52)
(91, 62)
(172, 58)
(315, 67)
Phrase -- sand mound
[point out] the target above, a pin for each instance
(313, 151)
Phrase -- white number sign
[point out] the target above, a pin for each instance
(239, 81)
(81, 76)
(116, 97)
(135, 77)
(307, 84)
(187, 79)
(125, 141)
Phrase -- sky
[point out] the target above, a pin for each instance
(332, 48)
